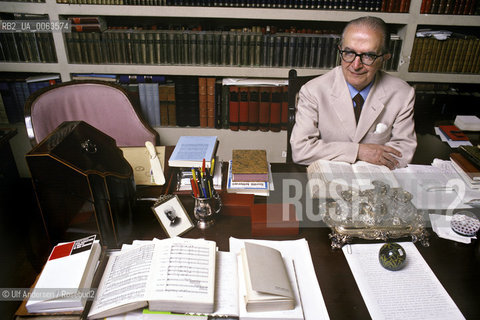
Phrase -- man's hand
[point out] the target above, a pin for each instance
(378, 154)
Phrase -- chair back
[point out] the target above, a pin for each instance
(294, 85)
(103, 105)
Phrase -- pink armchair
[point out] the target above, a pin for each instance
(103, 105)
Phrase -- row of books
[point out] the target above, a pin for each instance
(213, 103)
(15, 90)
(361, 5)
(460, 7)
(224, 48)
(453, 55)
(27, 47)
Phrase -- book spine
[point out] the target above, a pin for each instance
(284, 117)
(243, 109)
(211, 102)
(234, 106)
(264, 110)
(276, 109)
(202, 101)
(253, 108)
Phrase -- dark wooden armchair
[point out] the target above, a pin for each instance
(294, 85)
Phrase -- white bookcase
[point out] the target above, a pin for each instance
(406, 24)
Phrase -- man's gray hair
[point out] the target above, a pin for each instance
(374, 23)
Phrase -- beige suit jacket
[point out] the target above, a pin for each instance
(325, 126)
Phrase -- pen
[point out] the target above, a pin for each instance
(212, 165)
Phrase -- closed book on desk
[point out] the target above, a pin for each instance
(190, 151)
(470, 170)
(66, 277)
(472, 154)
(266, 279)
(249, 165)
(453, 133)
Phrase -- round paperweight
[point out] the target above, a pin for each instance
(465, 223)
(392, 256)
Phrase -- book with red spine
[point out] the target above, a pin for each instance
(276, 109)
(211, 102)
(264, 110)
(234, 105)
(253, 107)
(243, 108)
(202, 101)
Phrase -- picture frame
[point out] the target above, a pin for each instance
(172, 216)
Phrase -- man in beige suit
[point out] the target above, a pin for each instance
(326, 126)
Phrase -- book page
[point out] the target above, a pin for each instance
(226, 284)
(184, 275)
(366, 172)
(124, 280)
(412, 292)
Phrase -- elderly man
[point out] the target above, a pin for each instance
(356, 111)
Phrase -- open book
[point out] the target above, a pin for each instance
(199, 281)
(166, 275)
(328, 178)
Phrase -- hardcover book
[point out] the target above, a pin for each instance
(249, 165)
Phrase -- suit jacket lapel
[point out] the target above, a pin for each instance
(372, 107)
(342, 104)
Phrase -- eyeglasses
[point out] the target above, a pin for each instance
(366, 58)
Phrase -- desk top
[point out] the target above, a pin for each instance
(456, 265)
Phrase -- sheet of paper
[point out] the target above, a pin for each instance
(412, 292)
(314, 307)
(226, 284)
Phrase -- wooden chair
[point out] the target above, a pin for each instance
(103, 105)
(294, 85)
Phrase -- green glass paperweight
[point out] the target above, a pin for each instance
(392, 256)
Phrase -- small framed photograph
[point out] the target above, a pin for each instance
(172, 215)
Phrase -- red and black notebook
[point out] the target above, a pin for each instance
(234, 105)
(453, 133)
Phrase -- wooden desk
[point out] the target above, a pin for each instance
(455, 265)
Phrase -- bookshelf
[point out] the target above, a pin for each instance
(406, 25)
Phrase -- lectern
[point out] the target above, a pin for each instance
(83, 184)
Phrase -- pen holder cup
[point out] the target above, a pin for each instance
(206, 209)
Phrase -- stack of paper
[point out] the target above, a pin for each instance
(412, 292)
(468, 123)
